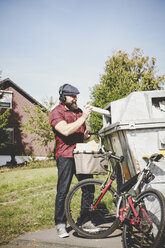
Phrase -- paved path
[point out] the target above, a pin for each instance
(49, 238)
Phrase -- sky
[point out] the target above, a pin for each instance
(47, 43)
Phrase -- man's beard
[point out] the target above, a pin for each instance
(72, 106)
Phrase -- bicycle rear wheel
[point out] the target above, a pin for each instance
(89, 223)
(149, 231)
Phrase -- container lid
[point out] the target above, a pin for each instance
(144, 105)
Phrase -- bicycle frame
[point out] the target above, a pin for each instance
(136, 214)
(103, 193)
(121, 212)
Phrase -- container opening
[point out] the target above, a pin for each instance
(107, 119)
(158, 107)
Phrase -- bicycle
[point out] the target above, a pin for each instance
(97, 204)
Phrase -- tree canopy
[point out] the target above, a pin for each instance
(4, 116)
(124, 74)
(38, 123)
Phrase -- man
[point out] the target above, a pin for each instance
(68, 123)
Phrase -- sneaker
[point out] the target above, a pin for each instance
(61, 231)
(90, 227)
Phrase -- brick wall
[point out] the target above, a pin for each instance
(18, 116)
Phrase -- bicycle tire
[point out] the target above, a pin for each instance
(147, 234)
(104, 216)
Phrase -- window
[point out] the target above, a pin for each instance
(6, 100)
(5, 105)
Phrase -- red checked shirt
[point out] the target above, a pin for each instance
(66, 144)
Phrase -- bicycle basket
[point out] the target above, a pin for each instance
(88, 163)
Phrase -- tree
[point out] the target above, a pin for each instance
(4, 116)
(38, 123)
(124, 74)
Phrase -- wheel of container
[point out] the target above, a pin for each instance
(89, 223)
(149, 232)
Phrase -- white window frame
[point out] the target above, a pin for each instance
(6, 100)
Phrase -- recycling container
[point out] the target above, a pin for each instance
(136, 127)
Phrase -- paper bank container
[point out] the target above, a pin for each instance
(137, 127)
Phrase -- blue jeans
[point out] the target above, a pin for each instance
(66, 169)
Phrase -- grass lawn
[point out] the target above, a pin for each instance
(27, 198)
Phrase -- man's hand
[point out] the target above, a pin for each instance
(87, 131)
(86, 135)
(86, 111)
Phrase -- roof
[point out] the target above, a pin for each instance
(9, 83)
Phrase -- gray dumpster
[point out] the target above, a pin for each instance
(136, 128)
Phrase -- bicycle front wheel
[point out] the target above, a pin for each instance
(146, 231)
(88, 222)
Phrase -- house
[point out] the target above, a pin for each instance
(19, 145)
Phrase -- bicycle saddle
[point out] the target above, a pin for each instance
(154, 157)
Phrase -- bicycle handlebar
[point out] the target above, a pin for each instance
(94, 133)
(120, 159)
(110, 154)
